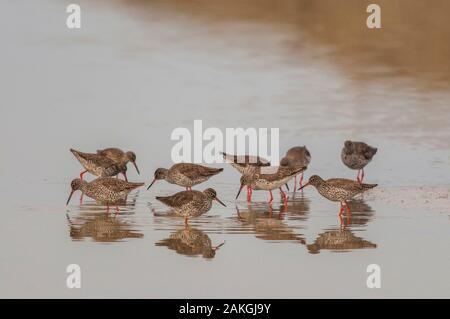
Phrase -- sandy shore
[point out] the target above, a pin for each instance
(429, 198)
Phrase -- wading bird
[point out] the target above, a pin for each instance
(356, 155)
(185, 174)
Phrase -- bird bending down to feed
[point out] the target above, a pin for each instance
(105, 190)
(119, 157)
(185, 174)
(241, 162)
(191, 203)
(356, 155)
(99, 165)
(262, 178)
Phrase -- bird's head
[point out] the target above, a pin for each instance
(211, 194)
(160, 173)
(131, 156)
(75, 185)
(314, 180)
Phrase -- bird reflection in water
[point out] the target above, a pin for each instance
(298, 207)
(190, 242)
(94, 222)
(361, 213)
(267, 223)
(343, 239)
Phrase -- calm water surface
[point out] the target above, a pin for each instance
(138, 69)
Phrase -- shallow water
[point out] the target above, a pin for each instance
(137, 70)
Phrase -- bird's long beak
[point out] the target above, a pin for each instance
(287, 186)
(303, 186)
(218, 246)
(70, 196)
(240, 189)
(125, 175)
(135, 166)
(153, 182)
(220, 202)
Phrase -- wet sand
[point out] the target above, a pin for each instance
(137, 70)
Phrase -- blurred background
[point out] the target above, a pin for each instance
(136, 70)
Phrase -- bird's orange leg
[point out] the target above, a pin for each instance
(271, 197)
(360, 176)
(249, 194)
(340, 210)
(81, 177)
(301, 181)
(82, 173)
(348, 213)
(283, 195)
(295, 183)
(186, 223)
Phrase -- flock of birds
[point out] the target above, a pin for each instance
(256, 174)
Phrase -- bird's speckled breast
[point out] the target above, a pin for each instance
(194, 208)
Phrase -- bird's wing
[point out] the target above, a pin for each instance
(94, 158)
(268, 170)
(193, 170)
(112, 152)
(208, 171)
(102, 160)
(349, 184)
(274, 173)
(116, 185)
(367, 155)
(178, 199)
(269, 177)
(340, 182)
(102, 152)
(285, 171)
(244, 160)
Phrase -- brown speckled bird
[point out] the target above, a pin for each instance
(241, 162)
(99, 165)
(297, 156)
(338, 189)
(190, 203)
(105, 190)
(185, 174)
(356, 155)
(119, 157)
(267, 178)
